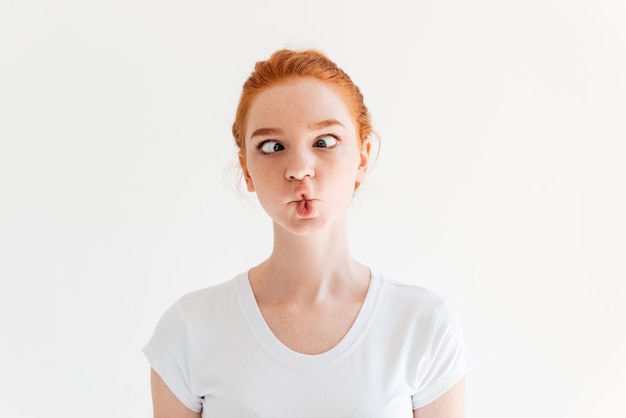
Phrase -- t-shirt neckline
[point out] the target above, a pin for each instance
(274, 347)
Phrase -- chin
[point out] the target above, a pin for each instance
(304, 227)
(301, 227)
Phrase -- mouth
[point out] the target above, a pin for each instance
(305, 208)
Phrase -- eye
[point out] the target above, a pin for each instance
(326, 141)
(270, 147)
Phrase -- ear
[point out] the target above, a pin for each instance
(364, 154)
(246, 173)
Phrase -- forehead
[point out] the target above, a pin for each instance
(302, 100)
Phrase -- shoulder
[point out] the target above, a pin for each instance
(214, 293)
(210, 302)
(415, 308)
(410, 297)
(205, 313)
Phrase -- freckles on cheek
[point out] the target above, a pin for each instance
(263, 177)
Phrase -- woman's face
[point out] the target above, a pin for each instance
(302, 154)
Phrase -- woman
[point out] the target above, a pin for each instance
(309, 332)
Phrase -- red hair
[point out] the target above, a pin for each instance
(288, 64)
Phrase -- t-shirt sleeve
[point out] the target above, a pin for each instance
(167, 353)
(448, 361)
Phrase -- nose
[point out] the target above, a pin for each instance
(299, 165)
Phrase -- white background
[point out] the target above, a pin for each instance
(500, 184)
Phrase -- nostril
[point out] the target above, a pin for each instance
(299, 172)
(300, 176)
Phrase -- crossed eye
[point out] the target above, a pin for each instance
(326, 141)
(271, 146)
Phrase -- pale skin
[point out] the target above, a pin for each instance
(302, 158)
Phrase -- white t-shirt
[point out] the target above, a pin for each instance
(217, 354)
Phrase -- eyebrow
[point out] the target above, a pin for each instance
(266, 132)
(324, 124)
(314, 126)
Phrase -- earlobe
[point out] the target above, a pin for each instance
(364, 154)
(248, 179)
(246, 173)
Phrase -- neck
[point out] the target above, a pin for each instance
(309, 268)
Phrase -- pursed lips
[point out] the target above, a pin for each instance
(302, 192)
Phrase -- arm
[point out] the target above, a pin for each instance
(164, 403)
(449, 405)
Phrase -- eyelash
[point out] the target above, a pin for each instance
(328, 134)
(262, 143)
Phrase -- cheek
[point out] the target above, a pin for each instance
(263, 177)
(342, 181)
